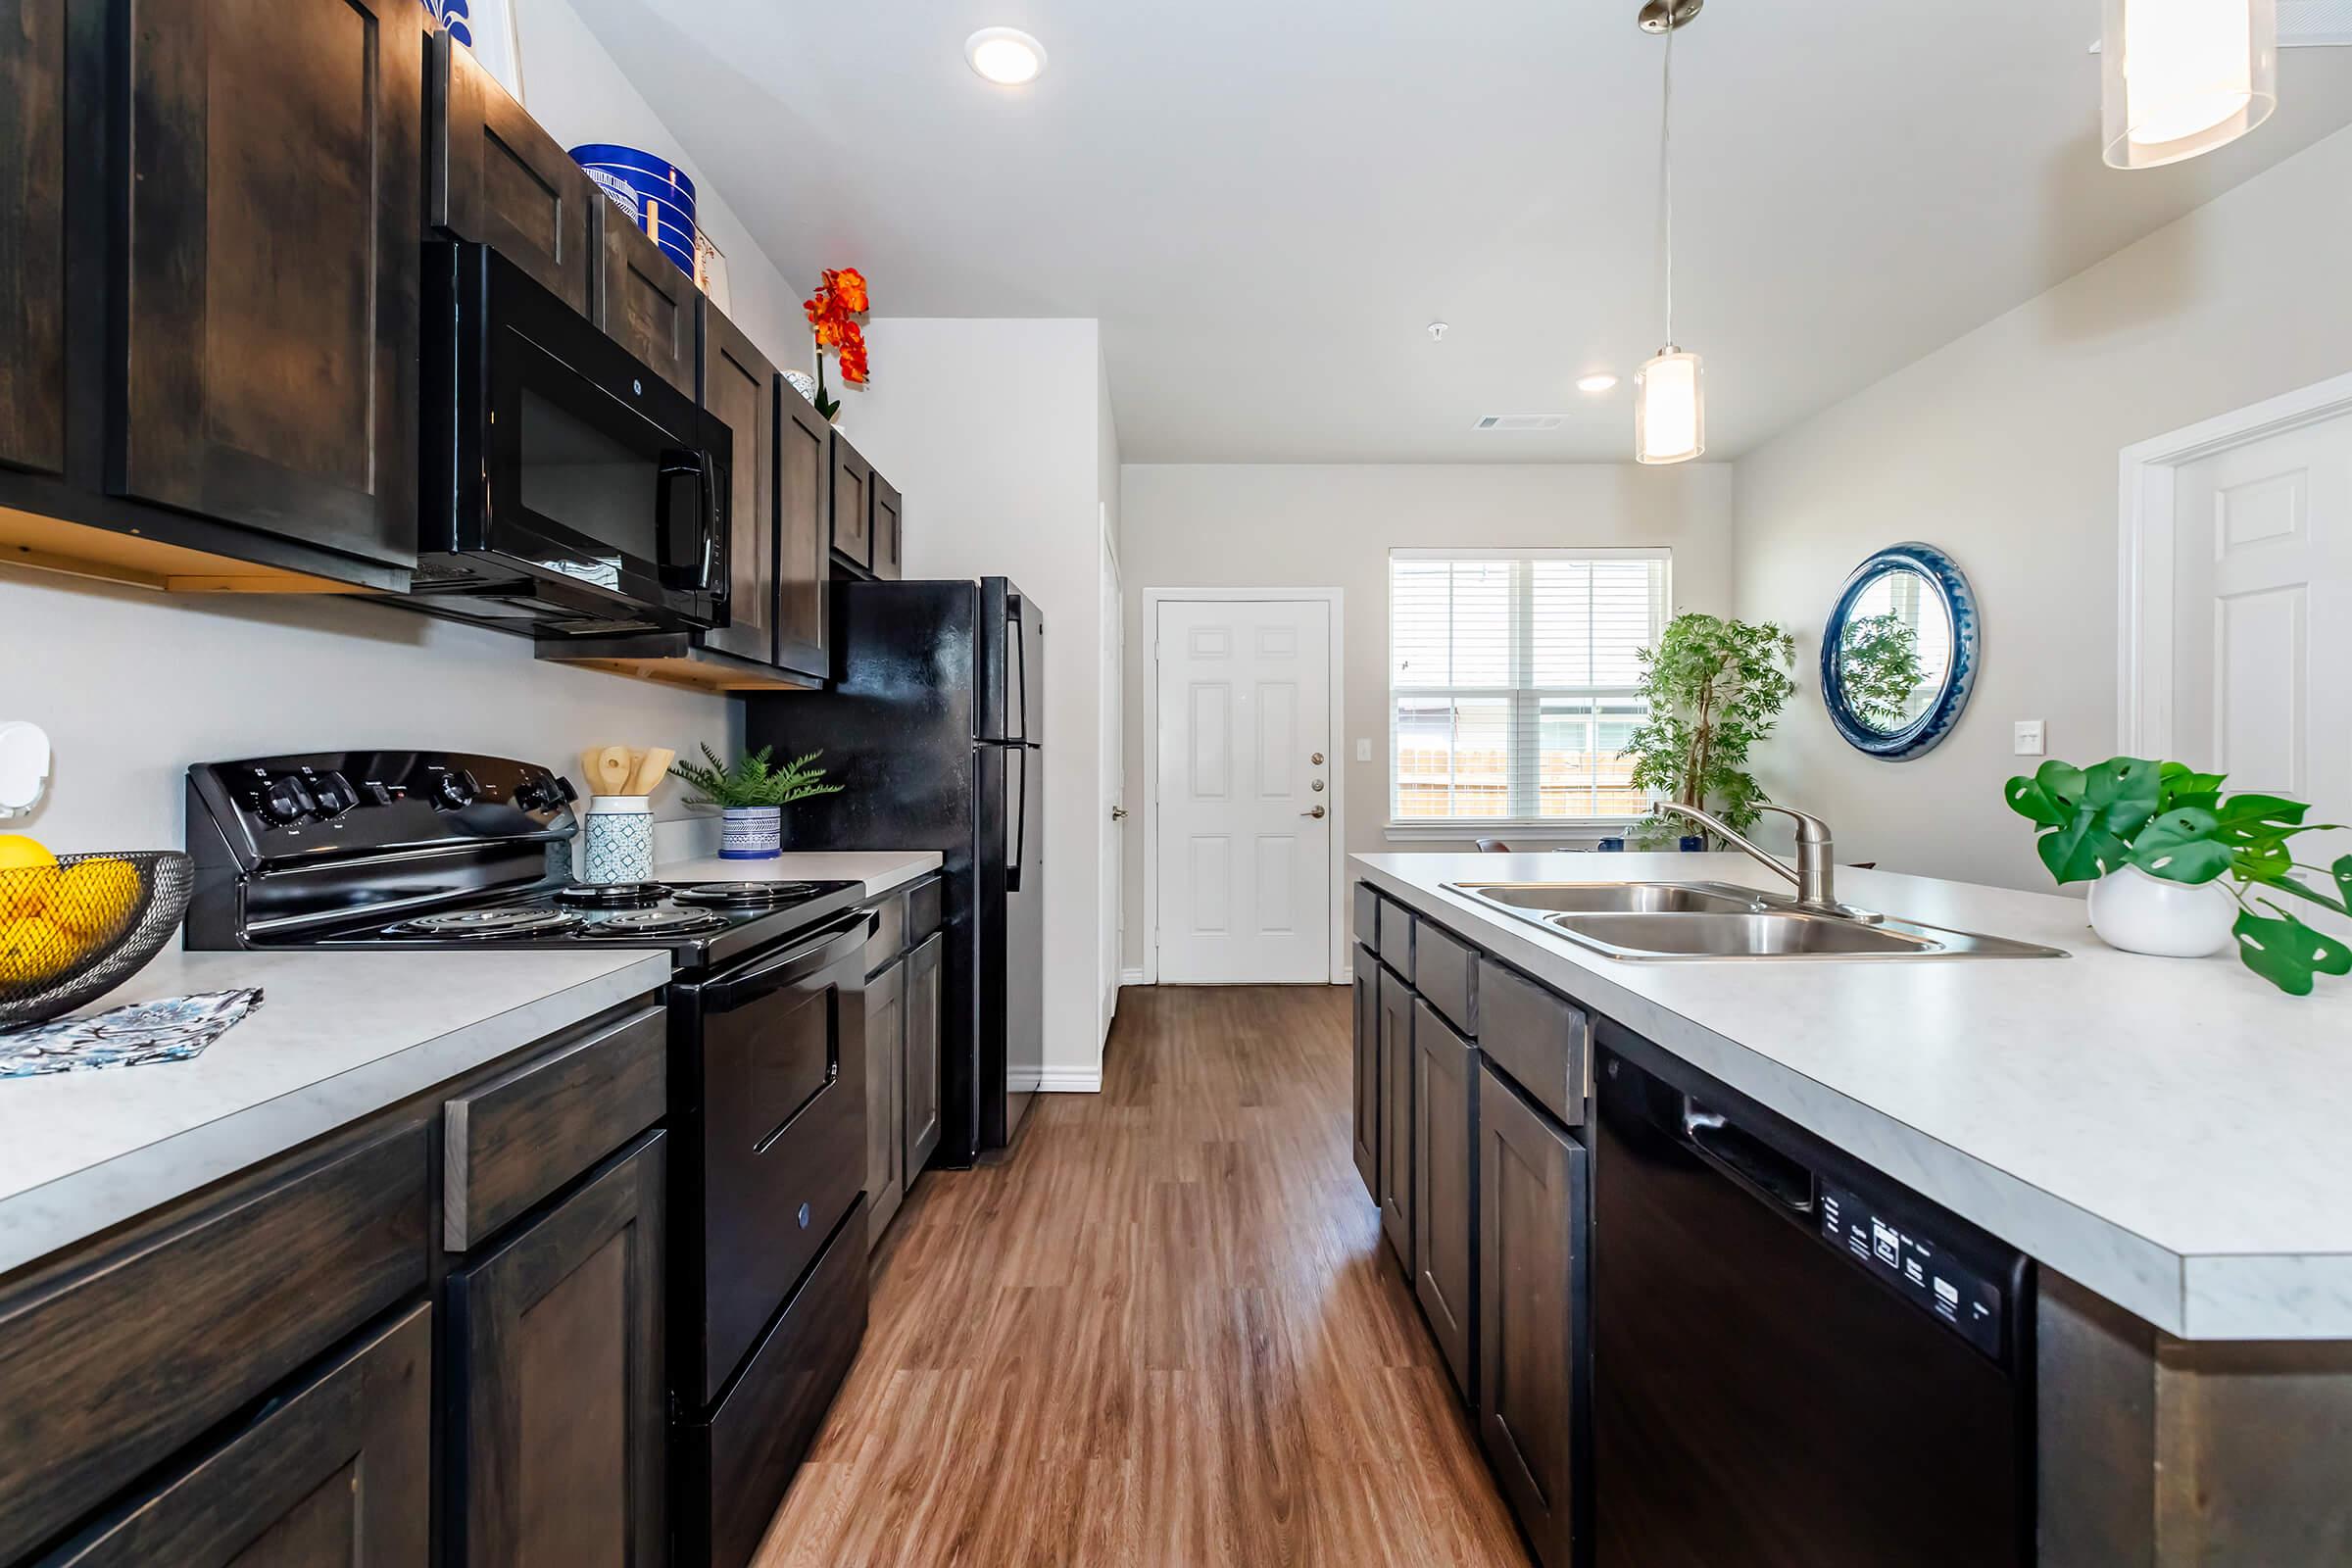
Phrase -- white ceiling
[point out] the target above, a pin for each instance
(1266, 201)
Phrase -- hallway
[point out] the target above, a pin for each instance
(1145, 1338)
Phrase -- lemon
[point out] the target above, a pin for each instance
(27, 876)
(32, 950)
(93, 898)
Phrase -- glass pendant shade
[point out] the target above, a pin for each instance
(1669, 412)
(2184, 77)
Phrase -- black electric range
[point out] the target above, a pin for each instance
(765, 1236)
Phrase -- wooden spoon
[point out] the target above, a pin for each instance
(613, 770)
(652, 769)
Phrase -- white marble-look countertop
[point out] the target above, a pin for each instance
(337, 1036)
(2175, 1135)
(881, 871)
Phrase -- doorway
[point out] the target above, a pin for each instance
(1244, 849)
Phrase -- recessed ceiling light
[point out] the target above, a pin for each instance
(1005, 56)
(1600, 382)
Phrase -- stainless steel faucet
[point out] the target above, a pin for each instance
(1815, 871)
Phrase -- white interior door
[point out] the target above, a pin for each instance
(1244, 791)
(2261, 619)
(1113, 621)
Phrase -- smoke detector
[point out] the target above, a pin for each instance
(1437, 331)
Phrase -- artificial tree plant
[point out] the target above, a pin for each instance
(2172, 821)
(1714, 687)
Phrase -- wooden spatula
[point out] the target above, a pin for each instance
(613, 770)
(653, 767)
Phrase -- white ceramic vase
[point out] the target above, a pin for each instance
(2142, 914)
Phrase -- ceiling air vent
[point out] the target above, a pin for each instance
(2306, 24)
(1520, 422)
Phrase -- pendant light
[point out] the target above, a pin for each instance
(1670, 411)
(2181, 78)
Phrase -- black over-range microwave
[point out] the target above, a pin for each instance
(567, 488)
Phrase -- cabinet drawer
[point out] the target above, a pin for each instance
(1367, 916)
(1542, 1040)
(1445, 973)
(334, 1472)
(890, 933)
(516, 1138)
(114, 1358)
(1394, 936)
(922, 912)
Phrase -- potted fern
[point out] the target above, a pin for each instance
(751, 794)
(1714, 688)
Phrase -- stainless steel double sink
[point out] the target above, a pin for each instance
(1702, 920)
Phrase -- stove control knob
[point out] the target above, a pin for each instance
(456, 789)
(541, 793)
(285, 801)
(334, 795)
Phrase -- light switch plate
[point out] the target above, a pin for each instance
(1364, 751)
(2028, 737)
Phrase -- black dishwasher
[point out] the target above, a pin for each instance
(1796, 1361)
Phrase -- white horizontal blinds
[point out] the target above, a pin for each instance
(1512, 681)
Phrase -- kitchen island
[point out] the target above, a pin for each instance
(2162, 1139)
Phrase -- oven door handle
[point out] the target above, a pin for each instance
(823, 948)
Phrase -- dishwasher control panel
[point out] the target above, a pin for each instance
(1922, 1269)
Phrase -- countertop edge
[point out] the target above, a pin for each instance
(2211, 1297)
(70, 1209)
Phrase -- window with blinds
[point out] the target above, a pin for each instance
(1512, 681)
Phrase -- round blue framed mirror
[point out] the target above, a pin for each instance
(1899, 654)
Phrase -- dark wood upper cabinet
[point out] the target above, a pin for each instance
(644, 302)
(1445, 1187)
(269, 294)
(1396, 1117)
(492, 174)
(885, 1097)
(740, 388)
(33, 235)
(852, 504)
(1531, 1185)
(888, 528)
(556, 1431)
(804, 533)
(332, 1475)
(923, 1023)
(1366, 1131)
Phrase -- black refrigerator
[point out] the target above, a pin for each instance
(933, 727)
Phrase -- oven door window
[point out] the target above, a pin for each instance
(598, 490)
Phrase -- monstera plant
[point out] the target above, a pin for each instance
(2173, 822)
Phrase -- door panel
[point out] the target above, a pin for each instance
(923, 1022)
(1244, 738)
(804, 531)
(270, 335)
(2260, 617)
(1531, 1185)
(885, 1099)
(644, 302)
(889, 529)
(497, 177)
(1366, 1131)
(852, 504)
(1397, 1151)
(33, 236)
(1445, 1188)
(557, 1345)
(739, 387)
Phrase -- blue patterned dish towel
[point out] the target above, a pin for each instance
(173, 1029)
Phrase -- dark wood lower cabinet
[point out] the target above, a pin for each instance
(1366, 1137)
(923, 1023)
(1533, 1186)
(557, 1435)
(1446, 1189)
(1396, 1117)
(333, 1475)
(885, 1096)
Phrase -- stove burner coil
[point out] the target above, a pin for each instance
(743, 895)
(486, 924)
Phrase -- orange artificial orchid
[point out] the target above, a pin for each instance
(833, 313)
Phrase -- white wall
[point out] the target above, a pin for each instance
(574, 87)
(2001, 449)
(993, 431)
(1249, 526)
(133, 686)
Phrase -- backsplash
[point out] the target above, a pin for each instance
(133, 686)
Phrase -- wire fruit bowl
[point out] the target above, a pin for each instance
(72, 932)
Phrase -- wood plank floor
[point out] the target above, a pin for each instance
(1164, 1332)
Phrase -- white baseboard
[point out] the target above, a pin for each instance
(1132, 977)
(1070, 1081)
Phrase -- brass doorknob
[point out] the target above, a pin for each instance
(1317, 760)
(1118, 814)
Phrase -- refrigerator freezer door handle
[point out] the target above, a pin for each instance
(1020, 824)
(1016, 612)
